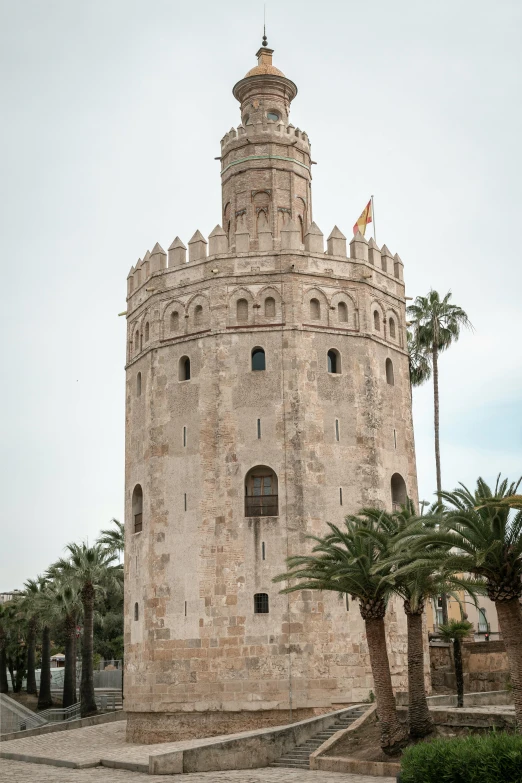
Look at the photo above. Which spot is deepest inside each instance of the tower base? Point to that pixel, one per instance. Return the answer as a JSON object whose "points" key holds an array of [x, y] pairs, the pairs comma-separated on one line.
{"points": [[151, 727]]}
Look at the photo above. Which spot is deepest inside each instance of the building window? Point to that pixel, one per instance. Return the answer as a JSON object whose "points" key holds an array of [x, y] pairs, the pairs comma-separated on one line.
{"points": [[261, 603], [263, 550], [184, 368], [174, 321], [315, 309], [391, 324], [483, 626], [347, 602], [259, 429], [334, 362], [242, 310], [342, 312], [258, 359], [198, 315], [389, 373], [273, 116], [337, 429], [270, 307], [138, 385], [136, 612], [340, 496], [147, 332], [261, 493], [137, 508], [394, 439], [184, 436], [376, 321], [398, 491], [185, 501]]}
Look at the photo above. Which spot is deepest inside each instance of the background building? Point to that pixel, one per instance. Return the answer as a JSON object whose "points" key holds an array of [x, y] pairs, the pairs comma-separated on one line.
{"points": [[267, 393]]}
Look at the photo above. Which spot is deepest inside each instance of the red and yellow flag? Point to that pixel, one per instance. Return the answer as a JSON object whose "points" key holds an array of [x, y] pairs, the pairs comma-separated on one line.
{"points": [[364, 219]]}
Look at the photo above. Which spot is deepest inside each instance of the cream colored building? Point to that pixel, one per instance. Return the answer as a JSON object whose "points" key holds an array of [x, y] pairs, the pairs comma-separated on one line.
{"points": [[267, 393]]}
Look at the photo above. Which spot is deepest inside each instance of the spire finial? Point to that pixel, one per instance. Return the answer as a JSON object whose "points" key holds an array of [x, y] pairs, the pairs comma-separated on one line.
{"points": [[265, 42]]}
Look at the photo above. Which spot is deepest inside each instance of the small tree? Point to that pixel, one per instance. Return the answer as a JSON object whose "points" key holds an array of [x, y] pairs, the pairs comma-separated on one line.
{"points": [[456, 631], [343, 562]]}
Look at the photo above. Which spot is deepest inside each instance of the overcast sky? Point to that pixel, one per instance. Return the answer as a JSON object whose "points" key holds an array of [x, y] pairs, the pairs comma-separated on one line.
{"points": [[112, 114]]}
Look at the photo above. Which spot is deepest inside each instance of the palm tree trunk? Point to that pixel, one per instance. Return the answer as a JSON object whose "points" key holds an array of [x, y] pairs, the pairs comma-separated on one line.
{"points": [[435, 356], [87, 682], [509, 615], [393, 736], [420, 720], [69, 677], [44, 697], [459, 673], [31, 650]]}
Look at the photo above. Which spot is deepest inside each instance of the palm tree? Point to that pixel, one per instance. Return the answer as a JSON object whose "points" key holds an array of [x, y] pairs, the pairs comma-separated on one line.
{"points": [[456, 631], [67, 606], [92, 571], [47, 614], [484, 539], [343, 562], [436, 325], [31, 606], [113, 539]]}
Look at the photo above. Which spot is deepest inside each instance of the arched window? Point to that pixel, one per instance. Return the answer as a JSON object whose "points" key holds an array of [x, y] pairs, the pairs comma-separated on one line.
{"points": [[391, 324], [147, 332], [136, 612], [389, 372], [261, 603], [136, 340], [261, 492], [398, 491], [184, 369], [342, 312], [315, 309], [270, 307], [137, 508], [174, 321], [258, 359], [138, 385], [242, 310], [334, 361], [376, 321], [198, 315]]}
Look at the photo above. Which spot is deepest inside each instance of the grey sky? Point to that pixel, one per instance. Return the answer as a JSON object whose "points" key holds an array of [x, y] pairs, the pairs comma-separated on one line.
{"points": [[98, 98]]}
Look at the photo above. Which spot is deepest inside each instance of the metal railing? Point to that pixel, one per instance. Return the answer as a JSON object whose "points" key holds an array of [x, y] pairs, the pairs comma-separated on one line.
{"points": [[261, 505], [58, 714]]}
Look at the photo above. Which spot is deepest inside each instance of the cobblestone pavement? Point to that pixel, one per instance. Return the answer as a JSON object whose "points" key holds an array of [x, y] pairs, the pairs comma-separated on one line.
{"points": [[22, 772]]}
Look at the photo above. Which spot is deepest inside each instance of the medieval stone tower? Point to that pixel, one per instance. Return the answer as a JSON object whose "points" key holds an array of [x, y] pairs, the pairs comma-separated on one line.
{"points": [[267, 393]]}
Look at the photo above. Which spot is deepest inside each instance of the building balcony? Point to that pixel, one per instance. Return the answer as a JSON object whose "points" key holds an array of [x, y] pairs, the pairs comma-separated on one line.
{"points": [[261, 506]]}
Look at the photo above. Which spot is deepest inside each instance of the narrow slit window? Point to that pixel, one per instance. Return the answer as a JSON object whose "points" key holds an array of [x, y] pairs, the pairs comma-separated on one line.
{"points": [[184, 436], [340, 496], [185, 501], [185, 608], [263, 550], [347, 602], [138, 385], [394, 439], [147, 332], [390, 379], [261, 603], [259, 429], [376, 321], [337, 429], [136, 612], [184, 369], [334, 362]]}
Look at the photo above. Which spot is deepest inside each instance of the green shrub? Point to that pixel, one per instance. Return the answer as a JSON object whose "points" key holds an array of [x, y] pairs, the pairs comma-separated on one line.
{"points": [[486, 758]]}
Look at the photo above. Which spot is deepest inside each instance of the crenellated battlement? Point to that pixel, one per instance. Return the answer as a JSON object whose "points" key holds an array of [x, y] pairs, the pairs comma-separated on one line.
{"points": [[265, 132]]}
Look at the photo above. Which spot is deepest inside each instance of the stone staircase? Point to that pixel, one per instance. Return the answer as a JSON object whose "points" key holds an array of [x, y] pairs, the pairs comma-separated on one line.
{"points": [[299, 757]]}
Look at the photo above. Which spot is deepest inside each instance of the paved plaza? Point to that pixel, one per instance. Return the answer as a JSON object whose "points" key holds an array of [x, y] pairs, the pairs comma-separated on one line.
{"points": [[21, 772]]}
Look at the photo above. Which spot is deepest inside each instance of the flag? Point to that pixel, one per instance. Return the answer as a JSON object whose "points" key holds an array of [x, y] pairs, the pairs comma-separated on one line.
{"points": [[364, 219]]}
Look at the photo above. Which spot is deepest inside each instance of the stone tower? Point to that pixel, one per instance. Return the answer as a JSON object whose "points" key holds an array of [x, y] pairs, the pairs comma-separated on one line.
{"points": [[267, 393]]}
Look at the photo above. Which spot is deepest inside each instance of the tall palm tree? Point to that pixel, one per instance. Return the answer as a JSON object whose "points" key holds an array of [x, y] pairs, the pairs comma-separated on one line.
{"points": [[484, 539], [343, 562], [436, 325], [47, 615], [456, 631], [92, 571], [113, 539], [67, 606], [420, 364]]}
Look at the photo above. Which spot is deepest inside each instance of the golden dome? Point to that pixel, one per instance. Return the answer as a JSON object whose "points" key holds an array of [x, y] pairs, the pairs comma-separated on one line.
{"points": [[262, 70]]}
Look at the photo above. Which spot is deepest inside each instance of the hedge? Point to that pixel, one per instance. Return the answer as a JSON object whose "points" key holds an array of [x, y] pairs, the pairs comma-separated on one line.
{"points": [[485, 758]]}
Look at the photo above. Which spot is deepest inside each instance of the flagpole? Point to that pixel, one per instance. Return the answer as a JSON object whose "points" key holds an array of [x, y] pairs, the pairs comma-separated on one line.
{"points": [[373, 220]]}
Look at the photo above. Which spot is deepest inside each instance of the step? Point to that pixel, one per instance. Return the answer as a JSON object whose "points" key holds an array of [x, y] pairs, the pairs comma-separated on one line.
{"points": [[289, 766]]}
